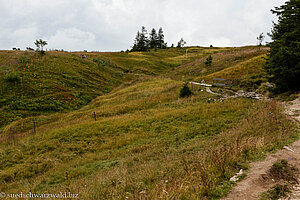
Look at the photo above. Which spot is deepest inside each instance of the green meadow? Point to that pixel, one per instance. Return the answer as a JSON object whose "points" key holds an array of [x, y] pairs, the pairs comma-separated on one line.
{"points": [[112, 125]]}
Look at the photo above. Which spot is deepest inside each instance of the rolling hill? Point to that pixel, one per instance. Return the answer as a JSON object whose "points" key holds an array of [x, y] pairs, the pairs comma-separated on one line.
{"points": [[122, 131]]}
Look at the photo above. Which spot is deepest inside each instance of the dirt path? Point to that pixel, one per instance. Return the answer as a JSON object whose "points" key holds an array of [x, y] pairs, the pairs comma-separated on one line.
{"points": [[240, 93], [254, 184], [211, 92]]}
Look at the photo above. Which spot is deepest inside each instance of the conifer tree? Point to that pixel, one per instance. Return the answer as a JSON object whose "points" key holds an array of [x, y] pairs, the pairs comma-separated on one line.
{"points": [[208, 61], [260, 39], [283, 63], [141, 41], [161, 39], [181, 43], [153, 40], [40, 44], [136, 41]]}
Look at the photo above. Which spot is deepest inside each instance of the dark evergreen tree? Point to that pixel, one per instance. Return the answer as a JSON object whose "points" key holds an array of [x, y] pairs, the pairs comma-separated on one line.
{"points": [[208, 61], [181, 43], [40, 44], [185, 91], [283, 64], [136, 41], [153, 40], [141, 41], [260, 39], [161, 39]]}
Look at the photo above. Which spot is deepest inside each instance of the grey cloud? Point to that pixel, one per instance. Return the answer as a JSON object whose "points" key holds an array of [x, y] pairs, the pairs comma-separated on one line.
{"points": [[112, 24]]}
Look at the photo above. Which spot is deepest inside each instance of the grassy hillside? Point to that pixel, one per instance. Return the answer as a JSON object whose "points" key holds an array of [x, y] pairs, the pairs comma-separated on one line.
{"points": [[59, 81], [223, 58], [130, 148], [156, 62], [253, 66], [146, 142], [33, 85]]}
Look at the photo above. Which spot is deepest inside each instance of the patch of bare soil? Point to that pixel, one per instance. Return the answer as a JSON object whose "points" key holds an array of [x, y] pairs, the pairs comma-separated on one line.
{"points": [[293, 108], [258, 179]]}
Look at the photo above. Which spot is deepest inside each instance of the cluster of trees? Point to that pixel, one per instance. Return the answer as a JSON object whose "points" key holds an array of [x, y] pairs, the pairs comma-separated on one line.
{"points": [[155, 40], [283, 64]]}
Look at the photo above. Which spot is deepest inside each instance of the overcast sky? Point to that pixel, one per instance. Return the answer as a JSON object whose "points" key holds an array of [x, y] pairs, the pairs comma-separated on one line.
{"points": [[111, 25]]}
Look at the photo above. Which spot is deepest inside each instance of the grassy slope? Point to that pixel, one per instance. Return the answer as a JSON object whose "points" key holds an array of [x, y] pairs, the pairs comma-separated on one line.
{"points": [[140, 149], [253, 66], [153, 62], [222, 59], [164, 151], [33, 85]]}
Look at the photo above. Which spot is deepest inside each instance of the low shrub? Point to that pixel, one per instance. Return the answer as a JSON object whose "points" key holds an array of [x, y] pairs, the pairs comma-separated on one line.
{"points": [[276, 192], [12, 77], [185, 91], [281, 170]]}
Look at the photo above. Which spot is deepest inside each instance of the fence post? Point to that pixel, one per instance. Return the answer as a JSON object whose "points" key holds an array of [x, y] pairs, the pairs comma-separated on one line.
{"points": [[95, 117], [34, 130]]}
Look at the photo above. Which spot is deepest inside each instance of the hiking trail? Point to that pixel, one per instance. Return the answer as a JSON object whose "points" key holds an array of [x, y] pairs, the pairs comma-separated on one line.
{"points": [[254, 183]]}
